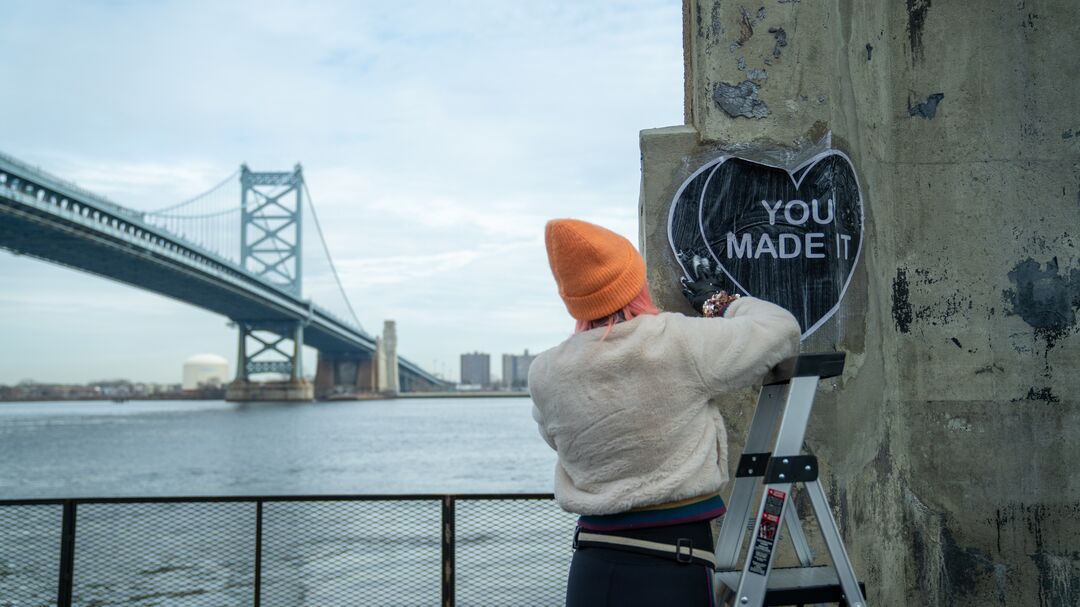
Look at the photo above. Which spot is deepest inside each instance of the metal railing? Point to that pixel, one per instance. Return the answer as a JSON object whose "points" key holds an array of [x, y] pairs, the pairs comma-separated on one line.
{"points": [[469, 549]]}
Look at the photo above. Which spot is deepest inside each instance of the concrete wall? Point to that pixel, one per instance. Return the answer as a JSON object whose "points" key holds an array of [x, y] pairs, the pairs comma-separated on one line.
{"points": [[948, 442]]}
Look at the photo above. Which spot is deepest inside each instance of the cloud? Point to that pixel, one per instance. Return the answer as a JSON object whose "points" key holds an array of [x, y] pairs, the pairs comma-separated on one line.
{"points": [[493, 219], [141, 185], [362, 273]]}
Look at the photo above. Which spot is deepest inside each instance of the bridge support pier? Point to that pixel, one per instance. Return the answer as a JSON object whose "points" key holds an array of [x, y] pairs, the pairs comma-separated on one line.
{"points": [[345, 375], [269, 355], [270, 391], [388, 373]]}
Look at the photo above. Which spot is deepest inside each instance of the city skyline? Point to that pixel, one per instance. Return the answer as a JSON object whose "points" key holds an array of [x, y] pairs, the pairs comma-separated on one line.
{"points": [[497, 373], [514, 366], [454, 253]]}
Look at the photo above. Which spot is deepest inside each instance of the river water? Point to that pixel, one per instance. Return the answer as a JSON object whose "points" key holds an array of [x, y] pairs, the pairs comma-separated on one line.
{"points": [[313, 553], [157, 448]]}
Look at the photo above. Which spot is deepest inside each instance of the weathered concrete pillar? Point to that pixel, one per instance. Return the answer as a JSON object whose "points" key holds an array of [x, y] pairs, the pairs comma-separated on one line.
{"points": [[389, 382], [946, 444], [380, 363], [344, 375], [325, 375], [365, 374]]}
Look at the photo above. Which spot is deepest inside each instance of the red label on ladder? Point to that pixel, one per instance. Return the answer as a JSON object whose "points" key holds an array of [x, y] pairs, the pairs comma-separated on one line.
{"points": [[767, 528], [780, 495]]}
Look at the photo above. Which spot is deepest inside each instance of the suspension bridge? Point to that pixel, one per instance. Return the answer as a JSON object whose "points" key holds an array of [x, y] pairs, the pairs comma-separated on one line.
{"points": [[250, 248]]}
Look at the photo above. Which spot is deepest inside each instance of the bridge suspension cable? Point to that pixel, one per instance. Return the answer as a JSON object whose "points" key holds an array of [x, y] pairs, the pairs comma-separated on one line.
{"points": [[210, 219], [179, 205], [329, 259], [198, 216]]}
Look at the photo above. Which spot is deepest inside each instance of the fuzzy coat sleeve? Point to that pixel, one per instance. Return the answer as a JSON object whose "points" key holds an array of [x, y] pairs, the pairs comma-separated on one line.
{"points": [[737, 350]]}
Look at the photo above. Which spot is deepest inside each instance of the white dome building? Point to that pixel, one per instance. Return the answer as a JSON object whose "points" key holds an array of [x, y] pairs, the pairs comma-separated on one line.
{"points": [[205, 369]]}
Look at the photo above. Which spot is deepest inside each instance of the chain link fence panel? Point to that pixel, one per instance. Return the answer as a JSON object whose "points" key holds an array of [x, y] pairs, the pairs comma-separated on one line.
{"points": [[517, 549], [174, 554], [351, 553], [29, 555], [287, 551]]}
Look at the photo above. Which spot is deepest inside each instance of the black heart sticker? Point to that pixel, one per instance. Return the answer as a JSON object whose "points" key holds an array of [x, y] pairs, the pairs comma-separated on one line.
{"points": [[791, 237]]}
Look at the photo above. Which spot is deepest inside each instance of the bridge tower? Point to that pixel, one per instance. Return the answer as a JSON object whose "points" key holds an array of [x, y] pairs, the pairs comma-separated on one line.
{"points": [[271, 207]]}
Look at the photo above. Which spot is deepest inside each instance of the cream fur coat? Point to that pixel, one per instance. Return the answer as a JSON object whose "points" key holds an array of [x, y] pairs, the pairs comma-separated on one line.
{"points": [[630, 416]]}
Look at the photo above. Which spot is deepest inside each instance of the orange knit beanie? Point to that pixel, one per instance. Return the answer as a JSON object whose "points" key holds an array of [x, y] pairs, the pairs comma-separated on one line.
{"points": [[598, 271]]}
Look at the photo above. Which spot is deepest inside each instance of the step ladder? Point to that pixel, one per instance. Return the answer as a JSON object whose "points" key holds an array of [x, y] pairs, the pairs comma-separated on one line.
{"points": [[787, 395]]}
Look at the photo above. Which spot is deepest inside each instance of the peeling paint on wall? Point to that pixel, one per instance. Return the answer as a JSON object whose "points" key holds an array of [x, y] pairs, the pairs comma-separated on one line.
{"points": [[916, 10], [1044, 394], [956, 306], [1028, 21], [901, 305], [754, 74], [740, 99], [781, 39], [937, 307], [1045, 298], [746, 28], [715, 21], [927, 109]]}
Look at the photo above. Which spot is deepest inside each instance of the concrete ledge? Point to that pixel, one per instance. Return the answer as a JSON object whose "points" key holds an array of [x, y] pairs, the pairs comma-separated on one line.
{"points": [[665, 153]]}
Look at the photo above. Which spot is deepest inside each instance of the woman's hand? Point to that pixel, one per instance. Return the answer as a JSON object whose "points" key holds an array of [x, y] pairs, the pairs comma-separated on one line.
{"points": [[705, 284]]}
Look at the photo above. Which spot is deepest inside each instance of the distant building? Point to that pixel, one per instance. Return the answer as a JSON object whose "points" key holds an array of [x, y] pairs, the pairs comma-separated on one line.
{"points": [[205, 370], [515, 370], [476, 369]]}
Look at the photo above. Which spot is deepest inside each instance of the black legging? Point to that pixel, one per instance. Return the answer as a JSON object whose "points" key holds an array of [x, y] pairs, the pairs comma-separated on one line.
{"points": [[602, 576]]}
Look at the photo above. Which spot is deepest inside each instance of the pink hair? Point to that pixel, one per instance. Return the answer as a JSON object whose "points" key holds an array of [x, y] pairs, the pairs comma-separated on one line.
{"points": [[638, 306]]}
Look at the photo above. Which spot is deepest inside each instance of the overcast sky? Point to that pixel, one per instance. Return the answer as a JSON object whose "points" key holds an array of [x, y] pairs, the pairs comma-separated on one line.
{"points": [[436, 139]]}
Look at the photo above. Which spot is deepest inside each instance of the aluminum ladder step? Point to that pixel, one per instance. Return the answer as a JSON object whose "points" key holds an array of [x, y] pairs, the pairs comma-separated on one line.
{"points": [[794, 585]]}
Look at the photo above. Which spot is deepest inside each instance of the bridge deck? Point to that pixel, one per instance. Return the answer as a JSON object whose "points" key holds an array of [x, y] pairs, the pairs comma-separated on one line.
{"points": [[46, 218]]}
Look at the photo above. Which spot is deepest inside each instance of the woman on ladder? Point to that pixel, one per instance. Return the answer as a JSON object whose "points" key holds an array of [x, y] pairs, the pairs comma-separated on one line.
{"points": [[624, 401]]}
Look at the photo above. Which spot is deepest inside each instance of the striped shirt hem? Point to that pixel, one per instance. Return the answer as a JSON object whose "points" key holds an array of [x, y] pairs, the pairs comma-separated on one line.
{"points": [[704, 510]]}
